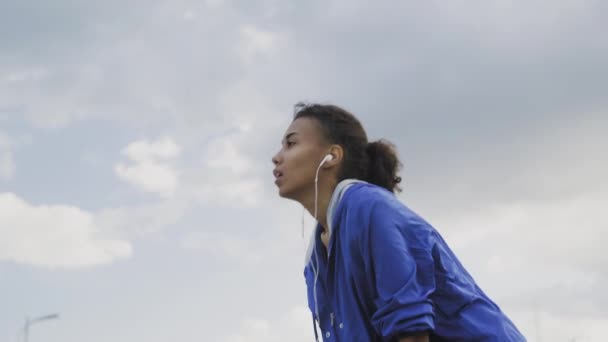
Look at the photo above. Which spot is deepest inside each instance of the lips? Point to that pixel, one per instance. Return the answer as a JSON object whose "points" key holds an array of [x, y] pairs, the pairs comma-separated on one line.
{"points": [[277, 175]]}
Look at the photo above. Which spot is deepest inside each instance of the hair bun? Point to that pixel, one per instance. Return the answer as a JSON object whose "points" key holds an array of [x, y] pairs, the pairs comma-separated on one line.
{"points": [[383, 164]]}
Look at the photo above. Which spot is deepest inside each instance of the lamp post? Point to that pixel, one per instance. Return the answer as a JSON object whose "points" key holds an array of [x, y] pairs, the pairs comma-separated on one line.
{"points": [[29, 322]]}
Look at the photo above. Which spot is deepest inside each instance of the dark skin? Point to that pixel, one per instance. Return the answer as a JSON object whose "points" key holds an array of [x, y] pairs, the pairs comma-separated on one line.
{"points": [[302, 150]]}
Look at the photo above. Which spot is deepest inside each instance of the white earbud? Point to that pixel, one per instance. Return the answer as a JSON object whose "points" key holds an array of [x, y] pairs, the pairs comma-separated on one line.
{"points": [[328, 157]]}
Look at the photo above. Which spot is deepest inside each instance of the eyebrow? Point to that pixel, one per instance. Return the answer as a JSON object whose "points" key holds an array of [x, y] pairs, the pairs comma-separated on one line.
{"points": [[289, 135]]}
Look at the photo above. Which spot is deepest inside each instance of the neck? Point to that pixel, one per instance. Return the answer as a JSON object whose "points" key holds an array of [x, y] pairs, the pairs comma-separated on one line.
{"points": [[326, 189]]}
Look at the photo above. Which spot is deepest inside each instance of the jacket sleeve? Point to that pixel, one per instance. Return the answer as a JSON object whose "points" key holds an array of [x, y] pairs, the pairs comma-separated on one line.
{"points": [[401, 269], [309, 277]]}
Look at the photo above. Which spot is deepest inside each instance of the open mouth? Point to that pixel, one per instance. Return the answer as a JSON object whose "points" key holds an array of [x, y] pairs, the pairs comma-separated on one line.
{"points": [[277, 175]]}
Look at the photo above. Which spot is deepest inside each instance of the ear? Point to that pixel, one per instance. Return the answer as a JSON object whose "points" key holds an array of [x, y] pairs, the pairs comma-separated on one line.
{"points": [[337, 153]]}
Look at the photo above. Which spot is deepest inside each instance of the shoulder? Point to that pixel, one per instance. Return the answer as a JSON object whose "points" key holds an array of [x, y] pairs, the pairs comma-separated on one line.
{"points": [[365, 205], [375, 210], [366, 195], [374, 202]]}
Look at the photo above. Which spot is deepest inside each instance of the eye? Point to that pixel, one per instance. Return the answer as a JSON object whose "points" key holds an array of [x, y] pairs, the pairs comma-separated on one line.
{"points": [[290, 143]]}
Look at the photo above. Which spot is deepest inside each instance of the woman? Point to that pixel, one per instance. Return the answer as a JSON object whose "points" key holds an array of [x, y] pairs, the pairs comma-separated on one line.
{"points": [[376, 271]]}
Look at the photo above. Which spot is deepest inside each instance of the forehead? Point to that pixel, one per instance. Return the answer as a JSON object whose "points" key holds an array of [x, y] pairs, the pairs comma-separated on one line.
{"points": [[305, 128]]}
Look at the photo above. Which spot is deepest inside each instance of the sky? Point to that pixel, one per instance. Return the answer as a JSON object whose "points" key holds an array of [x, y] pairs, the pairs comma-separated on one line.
{"points": [[136, 192]]}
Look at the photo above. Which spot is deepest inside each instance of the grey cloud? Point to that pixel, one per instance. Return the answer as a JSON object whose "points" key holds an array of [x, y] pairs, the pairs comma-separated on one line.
{"points": [[490, 104], [138, 62], [7, 164]]}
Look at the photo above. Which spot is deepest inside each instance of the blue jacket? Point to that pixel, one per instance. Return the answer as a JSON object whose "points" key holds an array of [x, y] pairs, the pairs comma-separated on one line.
{"points": [[387, 273]]}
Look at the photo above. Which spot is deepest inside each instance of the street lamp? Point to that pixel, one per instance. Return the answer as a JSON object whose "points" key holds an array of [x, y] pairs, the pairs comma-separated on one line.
{"points": [[29, 322]]}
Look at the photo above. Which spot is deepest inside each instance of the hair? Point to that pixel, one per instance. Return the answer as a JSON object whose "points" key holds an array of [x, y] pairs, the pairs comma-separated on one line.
{"points": [[374, 162]]}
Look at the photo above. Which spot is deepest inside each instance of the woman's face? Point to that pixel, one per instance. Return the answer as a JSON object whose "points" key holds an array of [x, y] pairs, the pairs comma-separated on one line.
{"points": [[302, 149]]}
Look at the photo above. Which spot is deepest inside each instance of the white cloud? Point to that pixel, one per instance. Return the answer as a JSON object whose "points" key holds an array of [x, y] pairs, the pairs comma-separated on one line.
{"points": [[214, 3], [7, 164], [557, 229], [554, 219], [236, 167], [225, 154], [151, 168], [254, 329], [295, 325], [16, 77], [256, 42], [149, 176], [136, 221], [144, 150], [239, 193], [194, 79], [537, 255], [189, 15], [57, 236], [224, 246], [550, 326], [227, 173]]}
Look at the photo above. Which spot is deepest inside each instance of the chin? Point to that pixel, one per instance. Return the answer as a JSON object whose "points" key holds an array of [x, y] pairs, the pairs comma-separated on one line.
{"points": [[283, 193], [286, 193]]}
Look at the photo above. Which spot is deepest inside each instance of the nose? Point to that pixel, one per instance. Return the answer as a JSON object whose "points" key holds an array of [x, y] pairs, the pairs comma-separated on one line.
{"points": [[275, 159]]}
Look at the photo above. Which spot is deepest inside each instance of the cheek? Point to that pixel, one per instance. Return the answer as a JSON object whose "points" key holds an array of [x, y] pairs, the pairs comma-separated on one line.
{"points": [[301, 163], [304, 161]]}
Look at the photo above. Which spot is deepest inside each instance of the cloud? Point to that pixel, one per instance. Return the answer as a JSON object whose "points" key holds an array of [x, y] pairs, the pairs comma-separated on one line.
{"points": [[234, 167], [144, 150], [527, 238], [254, 329], [56, 236], [7, 164], [223, 246], [533, 209], [19, 77], [457, 82], [143, 219], [294, 325], [226, 173], [256, 42], [108, 79], [214, 3], [551, 326], [225, 154], [151, 169], [222, 172], [149, 176]]}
